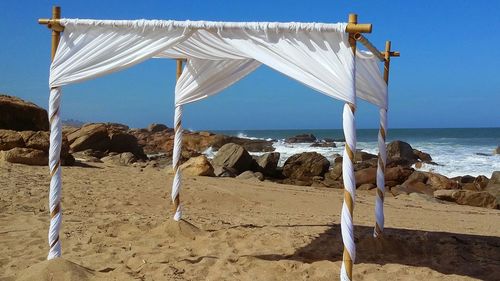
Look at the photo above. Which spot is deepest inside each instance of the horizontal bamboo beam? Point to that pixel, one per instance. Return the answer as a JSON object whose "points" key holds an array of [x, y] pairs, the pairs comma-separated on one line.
{"points": [[52, 24], [359, 37], [359, 28]]}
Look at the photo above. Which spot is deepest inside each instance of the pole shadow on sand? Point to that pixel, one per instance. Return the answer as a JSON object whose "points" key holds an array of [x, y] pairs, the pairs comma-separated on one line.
{"points": [[475, 256]]}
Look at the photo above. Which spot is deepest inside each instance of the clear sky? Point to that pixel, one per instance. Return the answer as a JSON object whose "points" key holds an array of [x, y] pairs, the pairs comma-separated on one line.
{"points": [[447, 75]]}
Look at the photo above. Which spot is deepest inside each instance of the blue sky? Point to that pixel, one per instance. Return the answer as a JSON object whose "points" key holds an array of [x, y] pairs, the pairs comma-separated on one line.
{"points": [[447, 75]]}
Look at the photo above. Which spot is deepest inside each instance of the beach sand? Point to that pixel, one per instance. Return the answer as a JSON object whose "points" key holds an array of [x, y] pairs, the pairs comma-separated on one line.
{"points": [[116, 226]]}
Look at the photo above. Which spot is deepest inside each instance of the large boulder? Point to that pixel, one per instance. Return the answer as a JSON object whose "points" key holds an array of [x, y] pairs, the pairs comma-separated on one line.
{"points": [[496, 151], [303, 138], [437, 181], [400, 150], [19, 115], [360, 156], [249, 175], [467, 197], [27, 156], [234, 157], [90, 136], [38, 140], [304, 166], [197, 166], [268, 163], [10, 139]]}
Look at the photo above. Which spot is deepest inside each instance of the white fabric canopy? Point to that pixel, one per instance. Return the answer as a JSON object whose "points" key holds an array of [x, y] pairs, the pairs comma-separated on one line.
{"points": [[219, 54]]}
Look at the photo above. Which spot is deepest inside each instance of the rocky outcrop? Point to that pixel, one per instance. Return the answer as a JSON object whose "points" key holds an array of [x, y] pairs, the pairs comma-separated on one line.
{"points": [[466, 197], [360, 156], [233, 157], [268, 163], [105, 137], [301, 168], [197, 166], [496, 151], [19, 115], [303, 138], [397, 175]]}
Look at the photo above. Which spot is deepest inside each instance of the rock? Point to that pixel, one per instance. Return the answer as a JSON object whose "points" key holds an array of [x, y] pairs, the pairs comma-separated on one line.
{"points": [[249, 175], [38, 140], [304, 138], [467, 197], [19, 115], [124, 142], [10, 139], [363, 156], [422, 156], [233, 156], [371, 163], [397, 174], [115, 127], [437, 181], [153, 128], [304, 166], [496, 151], [268, 163], [323, 144], [198, 166], [122, 159], [225, 172], [493, 186], [89, 155], [481, 182], [27, 156], [90, 136], [397, 150]]}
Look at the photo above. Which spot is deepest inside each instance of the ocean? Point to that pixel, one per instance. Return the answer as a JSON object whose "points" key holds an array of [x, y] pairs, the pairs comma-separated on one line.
{"points": [[458, 151]]}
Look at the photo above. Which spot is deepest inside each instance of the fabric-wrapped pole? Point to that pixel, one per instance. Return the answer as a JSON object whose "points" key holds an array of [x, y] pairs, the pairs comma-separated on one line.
{"points": [[176, 159], [55, 173], [346, 221], [382, 157]]}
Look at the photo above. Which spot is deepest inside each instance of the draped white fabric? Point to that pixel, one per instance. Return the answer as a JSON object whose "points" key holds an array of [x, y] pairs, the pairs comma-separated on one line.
{"points": [[86, 52], [203, 78], [370, 84]]}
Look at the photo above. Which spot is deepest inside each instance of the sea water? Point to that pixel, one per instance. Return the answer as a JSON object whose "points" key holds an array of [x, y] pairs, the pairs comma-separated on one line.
{"points": [[457, 151]]}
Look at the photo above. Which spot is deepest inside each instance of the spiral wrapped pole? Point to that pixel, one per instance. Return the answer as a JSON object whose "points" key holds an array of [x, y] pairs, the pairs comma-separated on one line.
{"points": [[176, 185], [382, 157], [176, 156], [346, 222]]}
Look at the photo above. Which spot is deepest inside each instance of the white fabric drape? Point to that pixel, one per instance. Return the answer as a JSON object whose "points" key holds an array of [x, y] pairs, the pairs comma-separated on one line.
{"points": [[86, 52], [203, 78], [370, 84]]}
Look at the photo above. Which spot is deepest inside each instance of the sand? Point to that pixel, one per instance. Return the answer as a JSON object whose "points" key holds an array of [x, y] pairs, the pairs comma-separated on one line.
{"points": [[116, 227]]}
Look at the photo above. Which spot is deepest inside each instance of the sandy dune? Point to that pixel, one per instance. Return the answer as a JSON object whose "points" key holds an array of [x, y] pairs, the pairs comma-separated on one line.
{"points": [[116, 227]]}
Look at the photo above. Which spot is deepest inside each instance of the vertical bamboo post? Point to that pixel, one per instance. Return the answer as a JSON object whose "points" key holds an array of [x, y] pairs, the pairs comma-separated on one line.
{"points": [[179, 69], [348, 198], [387, 61], [56, 34]]}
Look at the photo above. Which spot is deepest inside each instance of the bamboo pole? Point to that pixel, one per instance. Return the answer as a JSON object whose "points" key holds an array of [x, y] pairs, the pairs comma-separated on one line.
{"points": [[359, 37], [387, 61], [348, 198], [56, 33], [179, 69]]}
